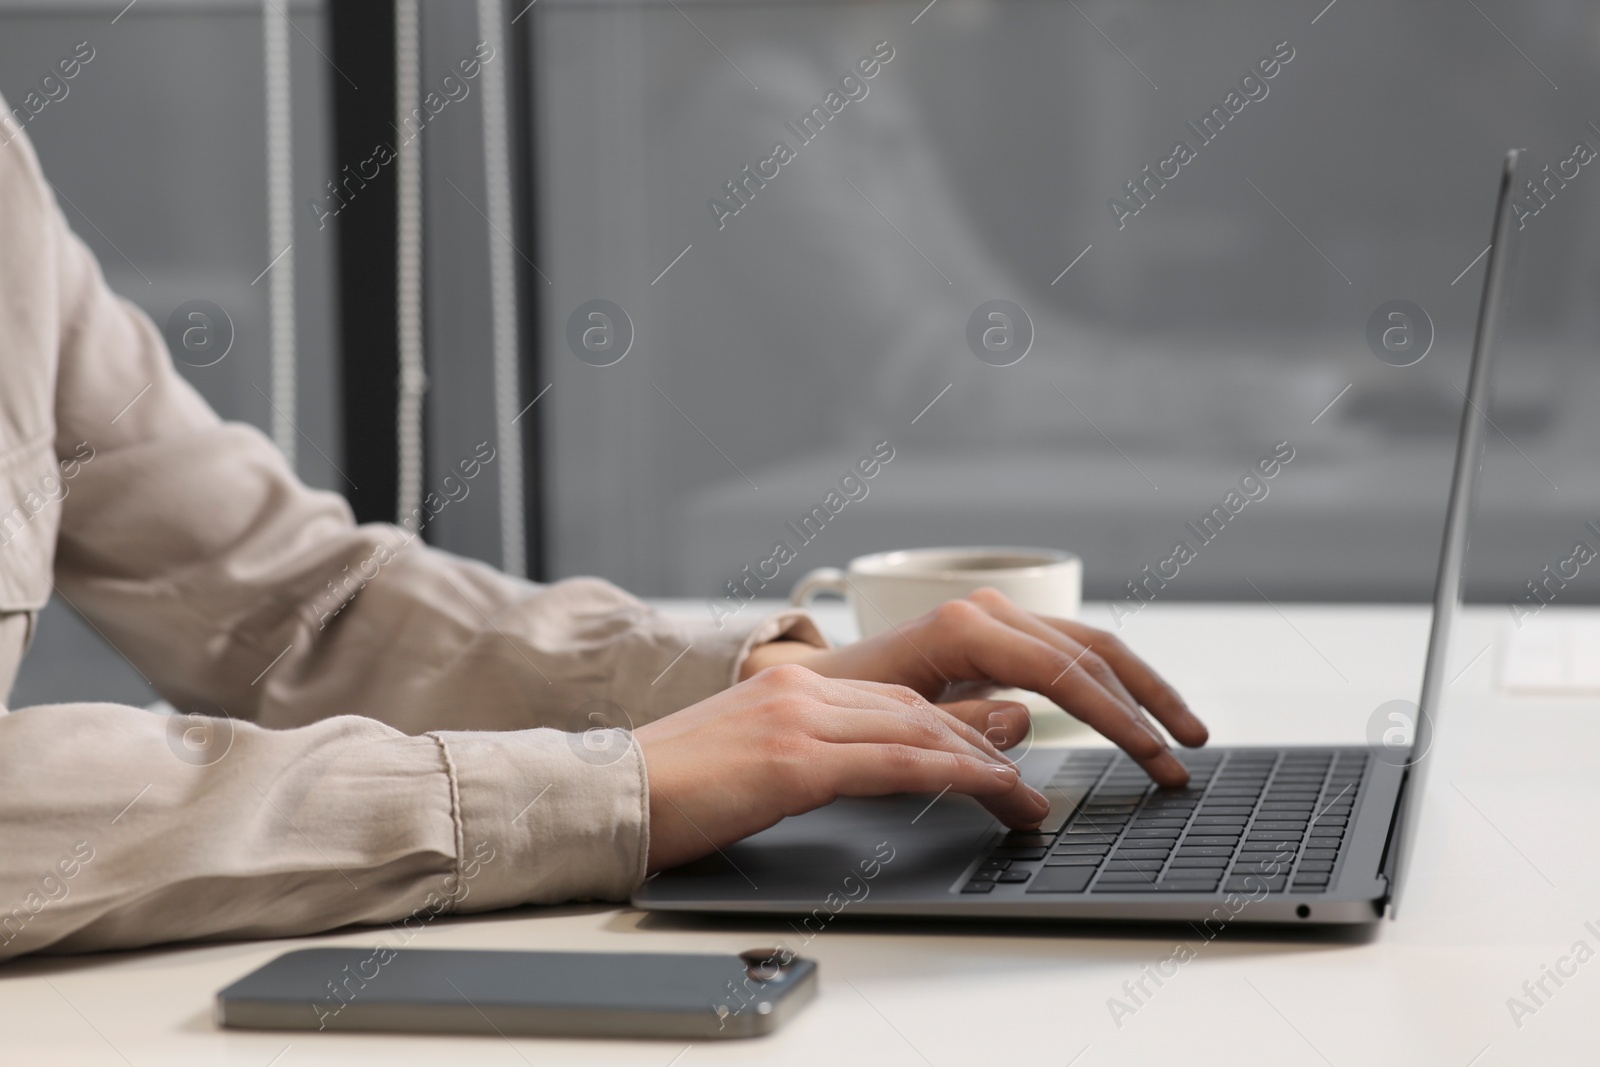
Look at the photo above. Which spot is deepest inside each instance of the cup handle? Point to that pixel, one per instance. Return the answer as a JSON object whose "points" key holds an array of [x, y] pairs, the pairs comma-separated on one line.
{"points": [[822, 580]]}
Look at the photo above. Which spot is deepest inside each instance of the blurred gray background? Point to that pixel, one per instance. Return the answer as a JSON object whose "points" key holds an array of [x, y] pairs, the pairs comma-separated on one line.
{"points": [[831, 310], [1223, 318]]}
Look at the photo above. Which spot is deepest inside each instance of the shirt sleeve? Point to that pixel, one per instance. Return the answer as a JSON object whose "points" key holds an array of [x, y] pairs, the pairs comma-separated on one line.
{"points": [[374, 730]]}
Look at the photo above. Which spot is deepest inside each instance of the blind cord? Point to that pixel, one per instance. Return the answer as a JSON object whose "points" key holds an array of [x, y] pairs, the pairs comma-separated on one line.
{"points": [[413, 381], [502, 292], [280, 229]]}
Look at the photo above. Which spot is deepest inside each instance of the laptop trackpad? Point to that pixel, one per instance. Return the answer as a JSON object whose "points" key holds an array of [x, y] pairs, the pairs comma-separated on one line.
{"points": [[907, 844]]}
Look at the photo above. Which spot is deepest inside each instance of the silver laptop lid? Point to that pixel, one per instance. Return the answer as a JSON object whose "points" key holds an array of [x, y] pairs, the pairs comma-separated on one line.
{"points": [[1447, 592]]}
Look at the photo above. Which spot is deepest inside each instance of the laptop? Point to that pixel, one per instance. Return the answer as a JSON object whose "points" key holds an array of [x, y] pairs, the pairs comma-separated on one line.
{"points": [[1298, 835]]}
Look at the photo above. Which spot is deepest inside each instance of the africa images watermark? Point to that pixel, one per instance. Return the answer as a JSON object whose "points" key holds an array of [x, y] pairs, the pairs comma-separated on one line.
{"points": [[50, 489], [344, 589], [54, 886], [853, 889], [1253, 487], [1252, 88], [751, 580], [1553, 579], [350, 185], [1136, 992], [740, 191], [51, 89], [1537, 195], [1536, 992], [343, 990]]}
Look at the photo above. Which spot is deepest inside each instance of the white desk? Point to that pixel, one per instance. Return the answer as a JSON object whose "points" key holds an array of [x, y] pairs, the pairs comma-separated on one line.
{"points": [[1503, 882]]}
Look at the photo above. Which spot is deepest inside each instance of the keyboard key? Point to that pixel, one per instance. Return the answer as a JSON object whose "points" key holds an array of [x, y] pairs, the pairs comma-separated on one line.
{"points": [[1087, 848], [1064, 800], [1189, 852], [1152, 832], [978, 887], [1321, 853], [1332, 820], [1016, 874], [1327, 832], [1134, 865], [987, 875], [1157, 854], [1220, 820], [1061, 880], [1253, 883], [1142, 877], [1028, 840], [1198, 862], [1311, 879], [1159, 824], [1282, 859], [1186, 887], [1315, 866], [995, 865], [1266, 868], [1019, 853], [1278, 824], [1073, 861], [1211, 839]]}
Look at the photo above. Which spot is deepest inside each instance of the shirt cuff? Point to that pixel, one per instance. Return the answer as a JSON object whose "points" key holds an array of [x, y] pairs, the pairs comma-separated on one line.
{"points": [[543, 816], [672, 662]]}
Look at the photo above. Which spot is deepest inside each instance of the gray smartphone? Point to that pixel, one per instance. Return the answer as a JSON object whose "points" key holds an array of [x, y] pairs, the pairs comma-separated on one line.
{"points": [[533, 994]]}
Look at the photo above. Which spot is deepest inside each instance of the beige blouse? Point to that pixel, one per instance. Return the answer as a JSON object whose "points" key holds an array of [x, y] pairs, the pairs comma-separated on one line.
{"points": [[395, 738]]}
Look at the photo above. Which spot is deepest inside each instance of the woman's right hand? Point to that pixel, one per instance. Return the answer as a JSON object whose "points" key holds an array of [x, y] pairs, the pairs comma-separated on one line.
{"points": [[789, 740]]}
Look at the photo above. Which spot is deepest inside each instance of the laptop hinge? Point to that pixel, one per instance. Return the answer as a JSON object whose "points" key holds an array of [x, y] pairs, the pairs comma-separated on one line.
{"points": [[1390, 853]]}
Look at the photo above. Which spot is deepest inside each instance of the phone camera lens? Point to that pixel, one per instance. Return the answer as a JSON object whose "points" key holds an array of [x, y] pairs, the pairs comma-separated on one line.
{"points": [[768, 964]]}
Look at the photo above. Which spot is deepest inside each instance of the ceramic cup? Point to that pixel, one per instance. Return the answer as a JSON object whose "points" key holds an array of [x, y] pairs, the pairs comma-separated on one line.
{"points": [[888, 588]]}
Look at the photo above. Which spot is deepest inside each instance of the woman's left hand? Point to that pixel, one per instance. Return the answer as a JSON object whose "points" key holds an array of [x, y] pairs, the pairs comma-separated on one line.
{"points": [[970, 647]]}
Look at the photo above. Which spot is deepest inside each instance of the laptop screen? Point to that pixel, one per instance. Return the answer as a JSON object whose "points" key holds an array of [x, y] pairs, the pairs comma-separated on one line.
{"points": [[1447, 594]]}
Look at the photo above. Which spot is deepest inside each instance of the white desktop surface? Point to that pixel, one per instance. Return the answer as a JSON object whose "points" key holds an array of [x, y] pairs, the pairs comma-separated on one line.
{"points": [[1504, 880]]}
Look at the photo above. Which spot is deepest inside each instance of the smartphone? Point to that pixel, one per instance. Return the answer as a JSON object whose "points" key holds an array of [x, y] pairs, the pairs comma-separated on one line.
{"points": [[530, 994]]}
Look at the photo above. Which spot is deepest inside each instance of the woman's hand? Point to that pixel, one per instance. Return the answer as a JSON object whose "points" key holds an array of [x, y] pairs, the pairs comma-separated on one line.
{"points": [[971, 647], [789, 740]]}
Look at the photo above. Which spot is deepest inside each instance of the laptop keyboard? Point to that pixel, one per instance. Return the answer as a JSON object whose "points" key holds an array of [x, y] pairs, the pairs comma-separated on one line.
{"points": [[1249, 818]]}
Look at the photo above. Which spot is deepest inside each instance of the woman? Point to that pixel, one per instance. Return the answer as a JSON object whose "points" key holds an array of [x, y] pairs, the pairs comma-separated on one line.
{"points": [[393, 739]]}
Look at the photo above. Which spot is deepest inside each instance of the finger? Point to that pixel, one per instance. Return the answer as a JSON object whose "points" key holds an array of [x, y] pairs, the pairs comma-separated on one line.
{"points": [[1013, 657], [1143, 682], [907, 706], [1084, 653], [878, 770], [871, 712], [1003, 723]]}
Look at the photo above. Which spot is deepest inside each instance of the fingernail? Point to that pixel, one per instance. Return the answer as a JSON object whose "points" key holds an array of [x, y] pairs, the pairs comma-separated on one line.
{"points": [[1004, 770], [995, 732], [1040, 801]]}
